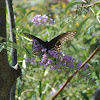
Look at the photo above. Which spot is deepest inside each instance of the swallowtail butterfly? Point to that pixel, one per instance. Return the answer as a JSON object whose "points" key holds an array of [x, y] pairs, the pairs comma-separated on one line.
{"points": [[56, 42]]}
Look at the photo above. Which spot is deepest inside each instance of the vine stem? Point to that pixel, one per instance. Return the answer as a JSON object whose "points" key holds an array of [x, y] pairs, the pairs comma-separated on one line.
{"points": [[90, 5], [76, 71]]}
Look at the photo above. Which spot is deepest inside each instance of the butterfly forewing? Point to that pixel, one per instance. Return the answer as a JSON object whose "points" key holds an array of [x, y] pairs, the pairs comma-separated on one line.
{"points": [[34, 37], [56, 43]]}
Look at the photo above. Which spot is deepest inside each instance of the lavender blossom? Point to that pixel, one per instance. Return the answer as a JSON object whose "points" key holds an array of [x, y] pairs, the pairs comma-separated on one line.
{"points": [[32, 61], [52, 93], [48, 62], [27, 60], [44, 50], [79, 64], [55, 59], [42, 20], [44, 58]]}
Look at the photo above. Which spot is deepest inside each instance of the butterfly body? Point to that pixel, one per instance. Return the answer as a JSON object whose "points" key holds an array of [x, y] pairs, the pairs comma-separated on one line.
{"points": [[56, 42]]}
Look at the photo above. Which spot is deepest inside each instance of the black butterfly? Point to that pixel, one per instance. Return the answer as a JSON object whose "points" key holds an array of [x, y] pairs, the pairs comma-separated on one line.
{"points": [[56, 42]]}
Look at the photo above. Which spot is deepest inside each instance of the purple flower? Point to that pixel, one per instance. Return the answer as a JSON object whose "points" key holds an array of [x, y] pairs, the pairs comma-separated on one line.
{"points": [[45, 55], [32, 61], [44, 50], [71, 64], [45, 33], [52, 93], [27, 60], [36, 45], [49, 15], [42, 20], [49, 61], [44, 58], [40, 48], [51, 52], [59, 60], [52, 67], [61, 85], [45, 18], [37, 19], [85, 67], [35, 50], [35, 41], [79, 64], [59, 69], [57, 66], [53, 22], [55, 54], [65, 57], [54, 59]]}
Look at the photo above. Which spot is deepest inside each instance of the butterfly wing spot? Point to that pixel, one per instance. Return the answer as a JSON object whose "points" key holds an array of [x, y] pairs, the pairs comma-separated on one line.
{"points": [[57, 46], [58, 43]]}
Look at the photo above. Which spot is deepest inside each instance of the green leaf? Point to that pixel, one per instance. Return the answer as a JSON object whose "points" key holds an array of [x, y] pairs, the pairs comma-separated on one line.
{"points": [[97, 74], [19, 86], [82, 23], [18, 20], [40, 89], [34, 97], [32, 12], [71, 4], [45, 37], [84, 95], [1, 47], [13, 45], [95, 37], [45, 89]]}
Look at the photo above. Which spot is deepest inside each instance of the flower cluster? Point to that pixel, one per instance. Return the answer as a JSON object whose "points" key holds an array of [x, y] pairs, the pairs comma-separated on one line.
{"points": [[30, 60], [42, 20], [53, 59]]}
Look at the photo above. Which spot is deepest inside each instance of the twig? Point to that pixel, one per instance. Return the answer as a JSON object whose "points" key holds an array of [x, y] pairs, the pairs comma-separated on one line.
{"points": [[90, 5], [76, 71]]}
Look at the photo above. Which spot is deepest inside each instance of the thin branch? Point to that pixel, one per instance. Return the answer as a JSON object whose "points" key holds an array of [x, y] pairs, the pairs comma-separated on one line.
{"points": [[12, 34], [76, 71], [90, 5]]}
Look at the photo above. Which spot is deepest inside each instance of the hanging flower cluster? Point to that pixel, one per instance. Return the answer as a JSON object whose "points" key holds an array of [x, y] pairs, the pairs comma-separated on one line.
{"points": [[53, 59], [42, 20]]}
